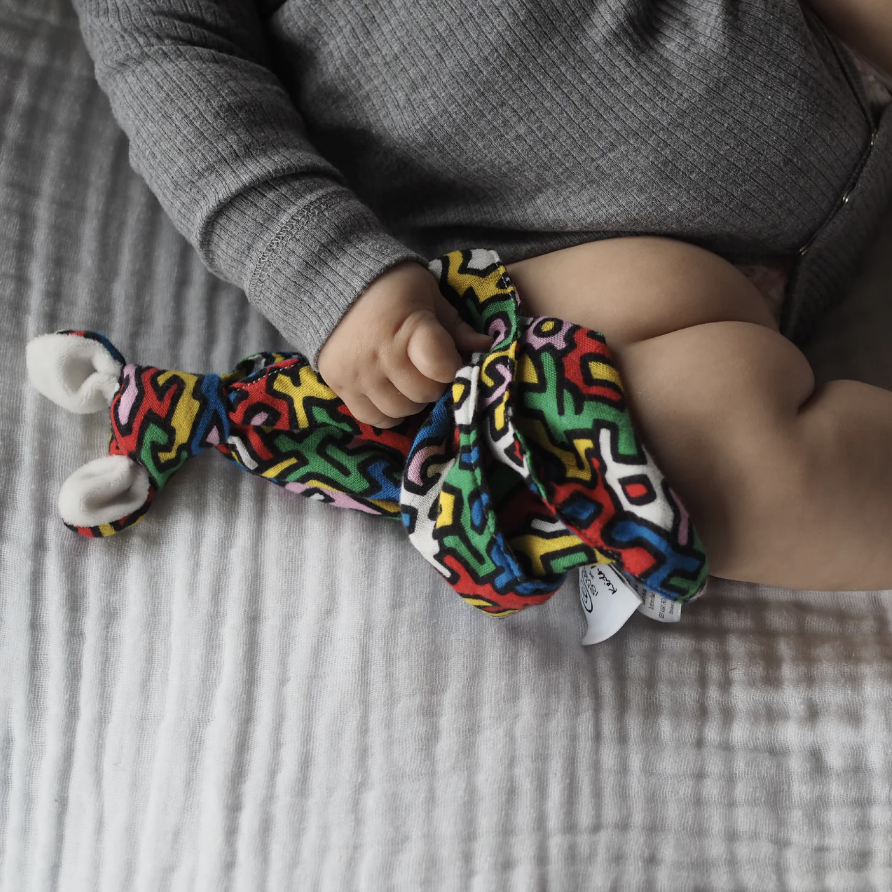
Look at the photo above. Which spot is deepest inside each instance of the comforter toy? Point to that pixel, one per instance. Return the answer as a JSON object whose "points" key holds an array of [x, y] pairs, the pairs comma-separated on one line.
{"points": [[527, 467]]}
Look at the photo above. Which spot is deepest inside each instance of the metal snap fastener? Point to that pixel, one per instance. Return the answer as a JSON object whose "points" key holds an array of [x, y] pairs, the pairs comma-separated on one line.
{"points": [[846, 197], [873, 137]]}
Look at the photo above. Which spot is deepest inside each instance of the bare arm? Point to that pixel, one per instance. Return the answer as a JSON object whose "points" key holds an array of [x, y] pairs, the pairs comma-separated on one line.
{"points": [[865, 25]]}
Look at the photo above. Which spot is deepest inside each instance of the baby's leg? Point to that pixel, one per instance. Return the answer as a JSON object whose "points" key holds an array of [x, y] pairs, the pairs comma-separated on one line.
{"points": [[787, 484]]}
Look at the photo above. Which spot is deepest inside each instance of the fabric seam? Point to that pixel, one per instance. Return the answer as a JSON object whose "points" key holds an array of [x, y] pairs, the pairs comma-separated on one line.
{"points": [[301, 216]]}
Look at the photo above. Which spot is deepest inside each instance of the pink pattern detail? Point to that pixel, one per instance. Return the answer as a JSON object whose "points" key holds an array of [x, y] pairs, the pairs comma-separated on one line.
{"points": [[413, 470], [499, 368], [338, 499], [128, 397], [558, 335], [684, 522]]}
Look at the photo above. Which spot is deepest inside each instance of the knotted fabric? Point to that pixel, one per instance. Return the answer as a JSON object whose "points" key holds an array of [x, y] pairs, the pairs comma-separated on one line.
{"points": [[527, 467]]}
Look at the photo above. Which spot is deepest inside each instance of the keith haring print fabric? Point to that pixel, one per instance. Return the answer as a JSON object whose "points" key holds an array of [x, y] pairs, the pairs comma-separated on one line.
{"points": [[528, 467]]}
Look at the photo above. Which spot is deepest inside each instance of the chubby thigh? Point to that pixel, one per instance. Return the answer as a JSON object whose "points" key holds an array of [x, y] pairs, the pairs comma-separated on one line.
{"points": [[713, 386], [638, 287]]}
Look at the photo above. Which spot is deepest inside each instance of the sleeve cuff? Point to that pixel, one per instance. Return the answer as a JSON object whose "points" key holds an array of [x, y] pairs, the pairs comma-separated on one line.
{"points": [[320, 258]]}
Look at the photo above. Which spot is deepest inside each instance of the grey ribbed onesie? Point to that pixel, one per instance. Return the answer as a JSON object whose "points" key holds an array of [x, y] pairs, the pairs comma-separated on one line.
{"points": [[305, 147]]}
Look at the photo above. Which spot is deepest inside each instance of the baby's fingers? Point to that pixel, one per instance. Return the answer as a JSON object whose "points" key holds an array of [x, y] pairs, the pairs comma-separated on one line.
{"points": [[391, 401], [463, 335], [364, 410], [418, 388], [431, 349]]}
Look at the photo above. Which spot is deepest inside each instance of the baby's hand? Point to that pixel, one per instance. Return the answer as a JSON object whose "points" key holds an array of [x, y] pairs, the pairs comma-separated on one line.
{"points": [[396, 348]]}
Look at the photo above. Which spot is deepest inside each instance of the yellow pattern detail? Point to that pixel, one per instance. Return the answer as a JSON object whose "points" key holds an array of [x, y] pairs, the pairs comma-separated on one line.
{"points": [[477, 602], [277, 469], [184, 412], [537, 548], [485, 288], [107, 529], [499, 413], [576, 464], [385, 505], [496, 356], [600, 370], [526, 370], [447, 509], [499, 409], [309, 386]]}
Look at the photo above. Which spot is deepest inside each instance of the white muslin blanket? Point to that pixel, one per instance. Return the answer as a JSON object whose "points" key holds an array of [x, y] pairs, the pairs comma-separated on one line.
{"points": [[250, 691]]}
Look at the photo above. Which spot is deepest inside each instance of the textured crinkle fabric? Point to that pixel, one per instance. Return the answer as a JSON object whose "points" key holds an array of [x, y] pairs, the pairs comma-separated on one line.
{"points": [[529, 465]]}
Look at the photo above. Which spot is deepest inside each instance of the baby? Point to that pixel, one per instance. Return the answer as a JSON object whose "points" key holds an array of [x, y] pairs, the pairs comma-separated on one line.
{"points": [[788, 484]]}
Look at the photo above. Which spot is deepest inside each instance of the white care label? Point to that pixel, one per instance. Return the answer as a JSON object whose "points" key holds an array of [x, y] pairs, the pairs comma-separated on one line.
{"points": [[608, 601], [609, 598], [656, 606]]}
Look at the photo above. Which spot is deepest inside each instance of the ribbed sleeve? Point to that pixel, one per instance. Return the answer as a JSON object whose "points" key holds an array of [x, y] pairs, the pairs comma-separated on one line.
{"points": [[225, 150], [306, 147]]}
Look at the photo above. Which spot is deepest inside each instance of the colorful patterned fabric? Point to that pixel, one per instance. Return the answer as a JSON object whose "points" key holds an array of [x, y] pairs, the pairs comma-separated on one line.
{"points": [[528, 467]]}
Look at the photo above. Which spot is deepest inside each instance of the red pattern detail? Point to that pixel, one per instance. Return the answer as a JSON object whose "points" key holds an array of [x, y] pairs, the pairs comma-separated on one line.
{"points": [[465, 585], [156, 400], [636, 490]]}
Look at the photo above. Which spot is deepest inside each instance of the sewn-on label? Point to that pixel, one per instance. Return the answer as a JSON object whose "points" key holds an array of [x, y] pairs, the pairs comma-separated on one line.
{"points": [[655, 606], [607, 600]]}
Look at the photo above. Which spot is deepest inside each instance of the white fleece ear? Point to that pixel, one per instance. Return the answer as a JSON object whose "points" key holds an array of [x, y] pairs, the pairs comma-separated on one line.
{"points": [[76, 373], [103, 491]]}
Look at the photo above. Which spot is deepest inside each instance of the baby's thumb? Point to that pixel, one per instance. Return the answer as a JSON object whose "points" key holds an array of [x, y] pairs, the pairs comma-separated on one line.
{"points": [[432, 350], [465, 337]]}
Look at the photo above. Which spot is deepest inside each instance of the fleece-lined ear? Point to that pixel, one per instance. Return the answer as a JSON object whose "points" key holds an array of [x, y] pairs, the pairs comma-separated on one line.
{"points": [[104, 491], [75, 372]]}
